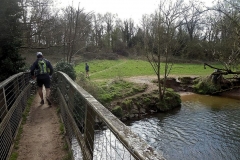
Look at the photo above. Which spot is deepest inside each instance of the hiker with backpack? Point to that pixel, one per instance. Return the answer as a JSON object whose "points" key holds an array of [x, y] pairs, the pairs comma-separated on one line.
{"points": [[42, 70]]}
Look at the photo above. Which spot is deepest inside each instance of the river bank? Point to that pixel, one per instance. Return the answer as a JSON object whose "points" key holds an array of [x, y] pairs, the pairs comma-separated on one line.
{"points": [[235, 94], [144, 104]]}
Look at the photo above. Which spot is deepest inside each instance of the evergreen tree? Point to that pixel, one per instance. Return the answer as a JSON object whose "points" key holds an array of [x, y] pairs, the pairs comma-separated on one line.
{"points": [[11, 61]]}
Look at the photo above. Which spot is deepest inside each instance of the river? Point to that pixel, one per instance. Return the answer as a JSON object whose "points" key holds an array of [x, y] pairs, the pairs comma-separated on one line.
{"points": [[204, 128]]}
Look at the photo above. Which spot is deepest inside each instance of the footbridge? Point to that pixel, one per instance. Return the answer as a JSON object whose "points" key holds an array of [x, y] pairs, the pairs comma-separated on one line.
{"points": [[91, 130]]}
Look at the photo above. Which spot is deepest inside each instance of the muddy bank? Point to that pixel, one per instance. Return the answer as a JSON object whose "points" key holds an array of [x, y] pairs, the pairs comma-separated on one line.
{"points": [[184, 86], [235, 94]]}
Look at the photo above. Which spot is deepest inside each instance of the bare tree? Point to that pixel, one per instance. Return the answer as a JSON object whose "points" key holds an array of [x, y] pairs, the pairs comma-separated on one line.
{"points": [[98, 30], [109, 19], [163, 31], [192, 19], [77, 29], [118, 44], [128, 31], [39, 24], [229, 33]]}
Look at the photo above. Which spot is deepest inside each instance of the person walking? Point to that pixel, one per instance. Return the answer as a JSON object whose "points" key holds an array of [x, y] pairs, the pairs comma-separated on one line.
{"points": [[87, 70], [42, 70]]}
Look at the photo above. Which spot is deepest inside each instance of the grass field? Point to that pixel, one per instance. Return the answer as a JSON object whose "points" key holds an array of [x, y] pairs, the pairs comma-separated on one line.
{"points": [[105, 69]]}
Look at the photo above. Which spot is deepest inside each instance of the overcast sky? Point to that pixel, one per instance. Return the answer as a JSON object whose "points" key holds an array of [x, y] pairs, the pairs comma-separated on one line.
{"points": [[124, 8]]}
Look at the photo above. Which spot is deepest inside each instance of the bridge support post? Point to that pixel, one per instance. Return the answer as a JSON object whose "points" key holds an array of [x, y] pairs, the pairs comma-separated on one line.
{"points": [[16, 87], [3, 104], [89, 129]]}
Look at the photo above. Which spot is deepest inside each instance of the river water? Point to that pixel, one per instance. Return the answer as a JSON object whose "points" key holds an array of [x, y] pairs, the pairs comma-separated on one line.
{"points": [[204, 128]]}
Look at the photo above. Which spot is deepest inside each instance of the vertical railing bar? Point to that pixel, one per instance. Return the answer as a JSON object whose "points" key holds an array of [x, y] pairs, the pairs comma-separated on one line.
{"points": [[89, 129], [5, 100], [115, 147], [16, 87], [10, 96], [106, 145], [110, 144], [3, 104]]}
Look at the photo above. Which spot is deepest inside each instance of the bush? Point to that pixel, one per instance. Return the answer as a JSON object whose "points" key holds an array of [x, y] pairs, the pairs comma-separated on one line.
{"points": [[127, 105], [117, 111], [89, 86], [66, 68], [171, 100], [205, 86]]}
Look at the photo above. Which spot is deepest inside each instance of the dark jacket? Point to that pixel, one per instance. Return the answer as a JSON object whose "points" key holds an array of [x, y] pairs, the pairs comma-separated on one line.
{"points": [[35, 67], [87, 68]]}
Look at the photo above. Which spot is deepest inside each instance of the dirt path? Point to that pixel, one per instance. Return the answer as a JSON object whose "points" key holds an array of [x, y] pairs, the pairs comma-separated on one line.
{"points": [[41, 138], [144, 80], [235, 93]]}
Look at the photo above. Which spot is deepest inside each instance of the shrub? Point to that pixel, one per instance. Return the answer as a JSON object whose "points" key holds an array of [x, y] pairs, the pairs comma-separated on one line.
{"points": [[205, 86], [105, 98], [127, 104], [89, 86], [171, 100], [117, 111], [66, 68]]}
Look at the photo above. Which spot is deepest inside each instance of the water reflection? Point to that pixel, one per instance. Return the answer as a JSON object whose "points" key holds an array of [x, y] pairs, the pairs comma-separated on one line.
{"points": [[205, 128]]}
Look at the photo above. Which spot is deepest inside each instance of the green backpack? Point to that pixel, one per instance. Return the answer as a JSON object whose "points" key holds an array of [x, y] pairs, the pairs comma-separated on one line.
{"points": [[42, 64]]}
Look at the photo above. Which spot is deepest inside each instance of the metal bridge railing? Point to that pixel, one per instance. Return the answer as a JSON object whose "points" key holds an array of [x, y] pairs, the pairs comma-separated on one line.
{"points": [[14, 93], [93, 131]]}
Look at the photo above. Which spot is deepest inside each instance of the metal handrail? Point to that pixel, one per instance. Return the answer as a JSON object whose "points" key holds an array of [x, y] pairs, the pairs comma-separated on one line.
{"points": [[97, 131], [14, 93]]}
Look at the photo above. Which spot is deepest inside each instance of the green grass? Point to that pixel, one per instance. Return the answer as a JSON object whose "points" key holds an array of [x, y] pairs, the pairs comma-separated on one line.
{"points": [[118, 89], [105, 69], [61, 128], [14, 156], [191, 69]]}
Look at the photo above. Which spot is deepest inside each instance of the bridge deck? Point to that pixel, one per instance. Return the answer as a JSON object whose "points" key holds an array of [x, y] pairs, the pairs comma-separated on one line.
{"points": [[41, 138]]}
